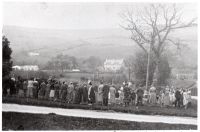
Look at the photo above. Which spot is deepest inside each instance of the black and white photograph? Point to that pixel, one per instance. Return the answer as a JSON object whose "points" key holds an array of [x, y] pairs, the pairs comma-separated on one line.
{"points": [[71, 66]]}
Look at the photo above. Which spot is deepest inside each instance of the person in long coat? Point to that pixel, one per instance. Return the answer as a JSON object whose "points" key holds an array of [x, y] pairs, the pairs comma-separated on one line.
{"points": [[181, 99], [133, 94], [52, 90], [70, 93], [57, 88], [140, 93], [178, 98], [84, 93], [25, 84], [79, 94], [91, 94], [105, 94], [127, 95], [96, 93], [121, 96], [172, 97], [20, 87], [63, 93], [100, 93], [76, 94], [112, 95], [186, 98], [166, 98], [47, 90], [30, 88], [41, 93], [35, 88], [152, 92], [133, 97]]}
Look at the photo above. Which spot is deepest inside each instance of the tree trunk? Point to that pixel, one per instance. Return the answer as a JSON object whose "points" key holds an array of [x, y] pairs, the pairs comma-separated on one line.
{"points": [[156, 73]]}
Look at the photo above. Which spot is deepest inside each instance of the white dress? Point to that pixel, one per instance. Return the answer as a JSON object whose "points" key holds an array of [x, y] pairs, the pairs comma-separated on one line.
{"points": [[100, 93], [112, 94], [52, 93], [185, 98], [152, 99]]}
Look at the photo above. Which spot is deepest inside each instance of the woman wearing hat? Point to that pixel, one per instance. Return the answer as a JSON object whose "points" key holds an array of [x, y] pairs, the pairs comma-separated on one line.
{"points": [[127, 93], [112, 95], [100, 93], [70, 92], [91, 94], [152, 92]]}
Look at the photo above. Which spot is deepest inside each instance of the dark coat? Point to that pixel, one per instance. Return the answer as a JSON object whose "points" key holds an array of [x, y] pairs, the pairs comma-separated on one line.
{"points": [[57, 87], [12, 87], [42, 89], [127, 94], [106, 89], [178, 94], [140, 92], [92, 95], [85, 93]]}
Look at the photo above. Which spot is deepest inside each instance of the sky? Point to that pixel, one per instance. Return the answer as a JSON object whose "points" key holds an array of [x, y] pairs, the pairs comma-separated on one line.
{"points": [[73, 15]]}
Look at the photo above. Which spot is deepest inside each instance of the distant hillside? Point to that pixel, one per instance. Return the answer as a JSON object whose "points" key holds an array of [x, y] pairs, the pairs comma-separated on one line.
{"points": [[105, 43]]}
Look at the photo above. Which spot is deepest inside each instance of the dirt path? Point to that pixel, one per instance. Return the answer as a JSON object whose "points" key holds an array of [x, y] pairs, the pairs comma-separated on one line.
{"points": [[99, 114]]}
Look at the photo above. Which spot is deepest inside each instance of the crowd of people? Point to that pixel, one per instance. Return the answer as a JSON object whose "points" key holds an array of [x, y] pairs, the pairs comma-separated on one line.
{"points": [[100, 93]]}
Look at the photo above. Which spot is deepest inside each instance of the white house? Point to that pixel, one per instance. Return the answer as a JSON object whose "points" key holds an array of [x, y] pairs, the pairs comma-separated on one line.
{"points": [[26, 68], [113, 64], [75, 70], [33, 54], [16, 67], [30, 68]]}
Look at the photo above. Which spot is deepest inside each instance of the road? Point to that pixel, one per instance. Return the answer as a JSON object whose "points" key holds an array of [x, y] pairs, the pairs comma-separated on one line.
{"points": [[99, 114]]}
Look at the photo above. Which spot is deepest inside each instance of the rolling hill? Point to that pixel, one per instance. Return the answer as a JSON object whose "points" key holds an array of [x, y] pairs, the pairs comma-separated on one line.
{"points": [[104, 43]]}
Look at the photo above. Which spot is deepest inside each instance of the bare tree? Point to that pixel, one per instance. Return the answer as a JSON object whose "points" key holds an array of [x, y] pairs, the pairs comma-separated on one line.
{"points": [[151, 26]]}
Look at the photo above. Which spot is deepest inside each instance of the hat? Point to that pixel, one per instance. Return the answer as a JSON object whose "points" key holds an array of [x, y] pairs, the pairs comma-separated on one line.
{"points": [[129, 84], [89, 82], [121, 88], [13, 79]]}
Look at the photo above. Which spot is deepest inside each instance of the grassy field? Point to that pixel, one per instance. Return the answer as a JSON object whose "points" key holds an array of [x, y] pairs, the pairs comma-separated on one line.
{"points": [[146, 109], [13, 121]]}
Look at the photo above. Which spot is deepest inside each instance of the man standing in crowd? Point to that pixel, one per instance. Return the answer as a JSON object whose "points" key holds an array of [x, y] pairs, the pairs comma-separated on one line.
{"points": [[25, 84], [152, 92], [47, 90], [57, 88], [112, 95], [52, 90], [41, 93], [85, 93], [178, 98], [121, 96], [91, 94], [70, 93], [19, 86], [30, 88], [140, 93], [105, 94], [100, 93], [35, 88], [127, 94], [63, 93]]}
